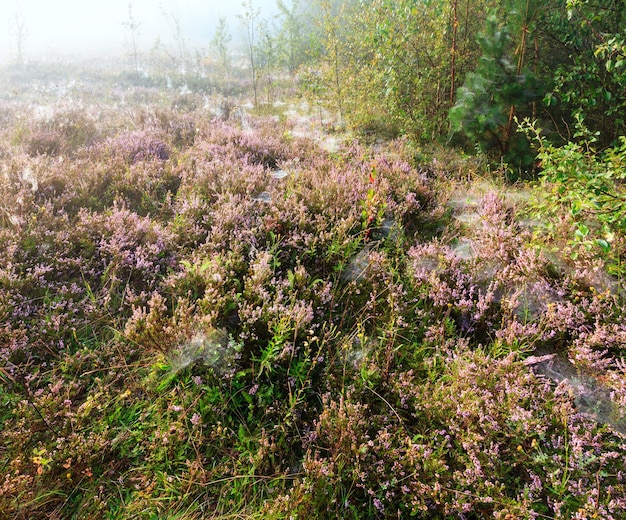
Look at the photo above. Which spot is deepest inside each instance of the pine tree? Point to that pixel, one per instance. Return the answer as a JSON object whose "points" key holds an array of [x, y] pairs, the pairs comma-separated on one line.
{"points": [[501, 86]]}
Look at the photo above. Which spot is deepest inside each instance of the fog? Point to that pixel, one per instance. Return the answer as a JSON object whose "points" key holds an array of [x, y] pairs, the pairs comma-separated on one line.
{"points": [[79, 27]]}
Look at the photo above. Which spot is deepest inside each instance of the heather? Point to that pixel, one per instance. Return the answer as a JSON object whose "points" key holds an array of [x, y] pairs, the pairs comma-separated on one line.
{"points": [[205, 313]]}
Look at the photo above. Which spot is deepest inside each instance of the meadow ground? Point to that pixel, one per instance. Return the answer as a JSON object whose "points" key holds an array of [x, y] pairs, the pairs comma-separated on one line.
{"points": [[206, 312]]}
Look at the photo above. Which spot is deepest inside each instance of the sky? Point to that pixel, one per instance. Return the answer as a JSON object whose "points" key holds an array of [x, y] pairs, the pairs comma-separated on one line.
{"points": [[84, 26]]}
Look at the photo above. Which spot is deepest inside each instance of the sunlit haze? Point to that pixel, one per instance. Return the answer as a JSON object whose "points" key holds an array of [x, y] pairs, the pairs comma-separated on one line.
{"points": [[79, 27]]}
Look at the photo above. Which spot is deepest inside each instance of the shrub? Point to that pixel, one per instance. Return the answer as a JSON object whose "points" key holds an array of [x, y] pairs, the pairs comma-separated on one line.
{"points": [[583, 189]]}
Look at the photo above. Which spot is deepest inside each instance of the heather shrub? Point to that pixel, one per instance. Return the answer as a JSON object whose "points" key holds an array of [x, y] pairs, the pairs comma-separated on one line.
{"points": [[215, 317], [132, 253], [214, 165], [138, 145], [44, 142], [66, 275], [43, 281], [153, 327], [181, 129], [474, 441], [63, 133], [179, 126], [190, 224], [236, 224], [266, 144], [144, 187], [68, 188], [8, 117]]}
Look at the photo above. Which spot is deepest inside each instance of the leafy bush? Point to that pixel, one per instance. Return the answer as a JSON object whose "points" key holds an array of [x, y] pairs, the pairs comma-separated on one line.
{"points": [[588, 187]]}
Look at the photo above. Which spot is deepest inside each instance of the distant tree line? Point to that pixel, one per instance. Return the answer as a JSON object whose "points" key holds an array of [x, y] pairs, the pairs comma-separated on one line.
{"points": [[464, 70], [460, 71]]}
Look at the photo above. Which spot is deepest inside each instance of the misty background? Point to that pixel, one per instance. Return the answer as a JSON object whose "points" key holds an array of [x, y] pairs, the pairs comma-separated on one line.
{"points": [[79, 28]]}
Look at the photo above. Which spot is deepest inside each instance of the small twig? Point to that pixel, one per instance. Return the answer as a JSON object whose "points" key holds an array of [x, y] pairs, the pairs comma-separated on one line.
{"points": [[386, 402]]}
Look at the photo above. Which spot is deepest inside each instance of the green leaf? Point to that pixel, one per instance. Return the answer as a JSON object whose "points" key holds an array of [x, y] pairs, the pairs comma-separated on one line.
{"points": [[582, 231], [604, 245]]}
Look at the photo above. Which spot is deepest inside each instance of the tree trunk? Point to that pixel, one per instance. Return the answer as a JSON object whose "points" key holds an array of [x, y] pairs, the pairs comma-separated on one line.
{"points": [[453, 52]]}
